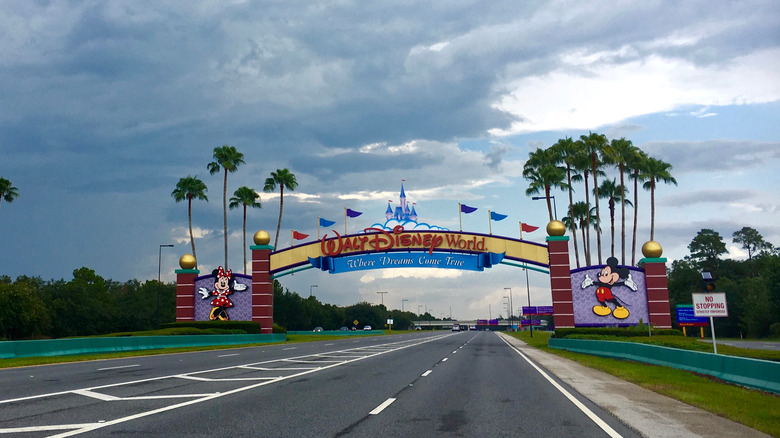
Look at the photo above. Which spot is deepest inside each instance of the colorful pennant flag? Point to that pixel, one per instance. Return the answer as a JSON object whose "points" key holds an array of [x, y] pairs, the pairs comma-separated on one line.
{"points": [[325, 222], [497, 217], [528, 228], [353, 213], [298, 236], [466, 209]]}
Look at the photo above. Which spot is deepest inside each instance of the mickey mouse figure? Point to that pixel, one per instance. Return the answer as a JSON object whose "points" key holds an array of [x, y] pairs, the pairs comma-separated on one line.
{"points": [[222, 288], [609, 277]]}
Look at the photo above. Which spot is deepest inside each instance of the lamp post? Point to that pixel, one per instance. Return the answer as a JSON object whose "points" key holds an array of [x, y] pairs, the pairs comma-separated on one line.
{"points": [[528, 289], [402, 304], [313, 285], [382, 294], [555, 207], [510, 305], [159, 260]]}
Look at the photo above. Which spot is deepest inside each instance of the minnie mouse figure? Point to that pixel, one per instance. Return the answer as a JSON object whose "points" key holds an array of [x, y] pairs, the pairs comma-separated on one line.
{"points": [[222, 288]]}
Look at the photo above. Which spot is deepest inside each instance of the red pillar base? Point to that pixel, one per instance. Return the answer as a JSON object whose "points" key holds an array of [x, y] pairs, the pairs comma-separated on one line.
{"points": [[262, 288], [657, 292], [185, 294], [560, 281]]}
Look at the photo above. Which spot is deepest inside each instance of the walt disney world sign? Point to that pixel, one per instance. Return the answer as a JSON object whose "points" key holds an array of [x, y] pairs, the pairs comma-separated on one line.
{"points": [[377, 248]]}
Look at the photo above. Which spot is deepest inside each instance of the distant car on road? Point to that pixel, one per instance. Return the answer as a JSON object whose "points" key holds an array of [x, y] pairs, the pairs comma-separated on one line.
{"points": [[417, 327], [367, 328], [317, 329], [343, 329], [456, 327]]}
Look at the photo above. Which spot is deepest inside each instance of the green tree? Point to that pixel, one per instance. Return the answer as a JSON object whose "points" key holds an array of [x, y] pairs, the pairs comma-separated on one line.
{"points": [[567, 151], [226, 158], [284, 179], [594, 146], [542, 171], [752, 241], [613, 193], [7, 191], [620, 153], [705, 249], [190, 188], [246, 197], [656, 171]]}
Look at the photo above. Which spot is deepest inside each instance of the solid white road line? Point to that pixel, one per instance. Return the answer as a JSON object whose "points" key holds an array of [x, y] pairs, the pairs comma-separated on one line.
{"points": [[595, 418], [116, 368], [382, 407]]}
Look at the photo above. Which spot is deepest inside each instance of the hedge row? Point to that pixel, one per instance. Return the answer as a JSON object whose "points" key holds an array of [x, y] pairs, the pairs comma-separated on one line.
{"points": [[248, 327], [608, 331]]}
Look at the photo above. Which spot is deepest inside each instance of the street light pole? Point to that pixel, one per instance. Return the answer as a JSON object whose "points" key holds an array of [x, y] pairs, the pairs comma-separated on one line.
{"points": [[382, 294], [402, 304], [510, 305], [528, 289], [555, 207], [313, 285], [159, 260]]}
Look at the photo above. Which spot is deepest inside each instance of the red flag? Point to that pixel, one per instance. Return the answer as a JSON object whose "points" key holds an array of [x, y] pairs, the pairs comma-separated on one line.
{"points": [[299, 236], [528, 228]]}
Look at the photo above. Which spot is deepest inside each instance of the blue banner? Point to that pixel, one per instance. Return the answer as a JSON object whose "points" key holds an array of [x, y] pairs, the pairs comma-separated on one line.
{"points": [[362, 262]]}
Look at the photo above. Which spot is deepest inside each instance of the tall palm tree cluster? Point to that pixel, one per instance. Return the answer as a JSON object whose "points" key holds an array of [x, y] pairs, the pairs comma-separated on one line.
{"points": [[569, 162], [227, 159]]}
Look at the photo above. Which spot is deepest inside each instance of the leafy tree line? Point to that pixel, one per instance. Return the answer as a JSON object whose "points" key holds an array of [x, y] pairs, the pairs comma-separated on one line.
{"points": [[31, 308], [752, 286], [586, 161]]}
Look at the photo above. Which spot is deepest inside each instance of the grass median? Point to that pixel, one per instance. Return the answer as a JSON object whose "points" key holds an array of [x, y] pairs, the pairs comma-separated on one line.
{"points": [[756, 409]]}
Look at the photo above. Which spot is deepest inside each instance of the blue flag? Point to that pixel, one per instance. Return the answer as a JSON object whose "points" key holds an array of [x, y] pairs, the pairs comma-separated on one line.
{"points": [[353, 213], [497, 217], [326, 223], [466, 209]]}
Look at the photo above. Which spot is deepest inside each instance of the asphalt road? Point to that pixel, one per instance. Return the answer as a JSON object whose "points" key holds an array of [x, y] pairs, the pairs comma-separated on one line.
{"points": [[421, 384]]}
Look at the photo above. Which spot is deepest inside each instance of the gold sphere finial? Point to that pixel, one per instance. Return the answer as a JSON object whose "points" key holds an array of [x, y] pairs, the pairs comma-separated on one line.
{"points": [[187, 261], [652, 249], [262, 238], [556, 228]]}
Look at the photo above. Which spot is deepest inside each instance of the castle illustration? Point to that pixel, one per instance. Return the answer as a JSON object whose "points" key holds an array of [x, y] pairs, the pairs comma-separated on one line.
{"points": [[402, 212]]}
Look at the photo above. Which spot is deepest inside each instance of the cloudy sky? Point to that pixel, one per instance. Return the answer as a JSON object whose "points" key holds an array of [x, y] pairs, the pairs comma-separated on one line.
{"points": [[105, 105]]}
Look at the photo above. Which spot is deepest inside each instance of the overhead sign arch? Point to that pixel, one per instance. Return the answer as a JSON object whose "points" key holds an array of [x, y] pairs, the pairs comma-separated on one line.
{"points": [[377, 248]]}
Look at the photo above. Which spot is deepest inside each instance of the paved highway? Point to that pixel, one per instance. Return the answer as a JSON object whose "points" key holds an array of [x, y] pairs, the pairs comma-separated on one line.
{"points": [[421, 384]]}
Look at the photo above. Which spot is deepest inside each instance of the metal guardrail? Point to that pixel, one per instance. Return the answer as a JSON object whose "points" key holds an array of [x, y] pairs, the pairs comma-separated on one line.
{"points": [[754, 373]]}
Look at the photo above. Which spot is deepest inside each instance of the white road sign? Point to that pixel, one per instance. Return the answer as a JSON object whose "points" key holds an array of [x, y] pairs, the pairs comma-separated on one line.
{"points": [[712, 304]]}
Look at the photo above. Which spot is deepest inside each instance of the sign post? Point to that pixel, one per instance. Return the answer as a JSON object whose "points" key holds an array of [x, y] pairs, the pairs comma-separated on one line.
{"points": [[710, 305]]}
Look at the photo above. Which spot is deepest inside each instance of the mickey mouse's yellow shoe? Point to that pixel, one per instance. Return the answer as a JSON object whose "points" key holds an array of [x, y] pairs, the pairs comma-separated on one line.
{"points": [[602, 310], [620, 312]]}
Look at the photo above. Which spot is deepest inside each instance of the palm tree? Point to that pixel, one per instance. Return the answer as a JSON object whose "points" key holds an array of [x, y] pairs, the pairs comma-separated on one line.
{"points": [[656, 171], [542, 171], [583, 215], [190, 188], [635, 166], [284, 179], [226, 158], [567, 151], [613, 193], [246, 197], [581, 163], [594, 145], [7, 191], [620, 152]]}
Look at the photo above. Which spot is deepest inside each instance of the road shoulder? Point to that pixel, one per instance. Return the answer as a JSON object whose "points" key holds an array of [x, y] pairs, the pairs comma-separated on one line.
{"points": [[653, 415]]}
